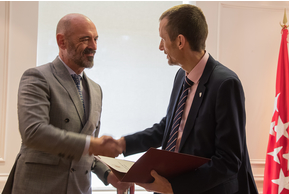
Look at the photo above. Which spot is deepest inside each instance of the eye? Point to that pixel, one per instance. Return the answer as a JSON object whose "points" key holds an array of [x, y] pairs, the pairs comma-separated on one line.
{"points": [[84, 39]]}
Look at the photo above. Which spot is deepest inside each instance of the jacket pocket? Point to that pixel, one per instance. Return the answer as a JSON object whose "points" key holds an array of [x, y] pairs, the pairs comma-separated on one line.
{"points": [[41, 158]]}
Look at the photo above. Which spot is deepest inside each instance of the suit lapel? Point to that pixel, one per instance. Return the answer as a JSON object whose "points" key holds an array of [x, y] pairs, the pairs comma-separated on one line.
{"points": [[91, 106], [95, 106], [199, 95], [62, 75]]}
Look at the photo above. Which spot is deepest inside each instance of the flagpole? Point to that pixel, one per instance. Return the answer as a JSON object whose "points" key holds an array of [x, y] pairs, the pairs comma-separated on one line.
{"points": [[284, 20]]}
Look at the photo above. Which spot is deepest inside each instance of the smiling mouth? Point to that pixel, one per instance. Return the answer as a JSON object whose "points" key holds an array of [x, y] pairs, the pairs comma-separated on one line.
{"points": [[89, 52]]}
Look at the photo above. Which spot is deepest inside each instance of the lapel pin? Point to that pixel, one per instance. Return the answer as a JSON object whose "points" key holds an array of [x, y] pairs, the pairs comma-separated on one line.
{"points": [[200, 94]]}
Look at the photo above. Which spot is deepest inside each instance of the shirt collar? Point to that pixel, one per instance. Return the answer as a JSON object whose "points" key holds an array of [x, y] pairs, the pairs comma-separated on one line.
{"points": [[69, 69], [198, 70]]}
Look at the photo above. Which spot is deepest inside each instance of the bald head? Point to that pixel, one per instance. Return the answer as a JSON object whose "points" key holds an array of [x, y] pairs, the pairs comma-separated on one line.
{"points": [[77, 38], [68, 22]]}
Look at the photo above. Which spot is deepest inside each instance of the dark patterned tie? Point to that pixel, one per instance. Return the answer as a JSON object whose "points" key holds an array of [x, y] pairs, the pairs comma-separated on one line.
{"points": [[171, 145], [77, 79]]}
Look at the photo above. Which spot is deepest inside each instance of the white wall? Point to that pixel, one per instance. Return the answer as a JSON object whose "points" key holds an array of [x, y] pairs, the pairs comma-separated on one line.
{"points": [[20, 54], [244, 36]]}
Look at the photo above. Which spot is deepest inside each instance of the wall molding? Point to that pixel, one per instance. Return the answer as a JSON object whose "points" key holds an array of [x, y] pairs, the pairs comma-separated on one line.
{"points": [[259, 162], [4, 79], [258, 166], [3, 179], [274, 6], [254, 5]]}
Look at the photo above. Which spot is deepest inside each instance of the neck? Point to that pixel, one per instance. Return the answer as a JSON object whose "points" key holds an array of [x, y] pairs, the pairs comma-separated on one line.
{"points": [[191, 59], [77, 69]]}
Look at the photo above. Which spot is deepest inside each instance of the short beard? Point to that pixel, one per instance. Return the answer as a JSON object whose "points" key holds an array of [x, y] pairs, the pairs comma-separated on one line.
{"points": [[83, 61]]}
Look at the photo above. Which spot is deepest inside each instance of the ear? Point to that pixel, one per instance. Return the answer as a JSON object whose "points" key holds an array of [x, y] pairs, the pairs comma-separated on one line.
{"points": [[61, 41], [181, 41]]}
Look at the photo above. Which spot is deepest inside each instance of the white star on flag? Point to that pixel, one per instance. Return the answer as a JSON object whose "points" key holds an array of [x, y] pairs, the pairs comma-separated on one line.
{"points": [[274, 154], [272, 128], [281, 129], [276, 104], [283, 182], [286, 156]]}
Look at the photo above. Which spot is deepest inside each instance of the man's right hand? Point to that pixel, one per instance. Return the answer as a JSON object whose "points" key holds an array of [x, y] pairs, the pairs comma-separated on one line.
{"points": [[105, 146]]}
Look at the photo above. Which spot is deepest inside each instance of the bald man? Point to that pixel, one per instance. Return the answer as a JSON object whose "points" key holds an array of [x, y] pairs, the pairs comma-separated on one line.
{"points": [[59, 111]]}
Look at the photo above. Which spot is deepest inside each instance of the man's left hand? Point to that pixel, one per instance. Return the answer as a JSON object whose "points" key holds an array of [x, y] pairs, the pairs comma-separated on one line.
{"points": [[120, 186], [160, 184]]}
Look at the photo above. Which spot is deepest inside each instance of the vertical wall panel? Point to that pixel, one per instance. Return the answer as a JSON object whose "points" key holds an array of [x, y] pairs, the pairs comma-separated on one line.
{"points": [[18, 55], [4, 30]]}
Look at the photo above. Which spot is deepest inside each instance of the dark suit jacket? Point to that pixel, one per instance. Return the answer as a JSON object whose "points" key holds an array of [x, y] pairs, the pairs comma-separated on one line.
{"points": [[215, 129]]}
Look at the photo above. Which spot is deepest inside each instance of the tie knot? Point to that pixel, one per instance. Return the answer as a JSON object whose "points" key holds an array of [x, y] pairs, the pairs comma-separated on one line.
{"points": [[76, 78], [188, 83]]}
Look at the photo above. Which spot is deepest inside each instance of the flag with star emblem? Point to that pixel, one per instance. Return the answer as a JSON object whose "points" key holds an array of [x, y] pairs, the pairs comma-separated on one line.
{"points": [[276, 175]]}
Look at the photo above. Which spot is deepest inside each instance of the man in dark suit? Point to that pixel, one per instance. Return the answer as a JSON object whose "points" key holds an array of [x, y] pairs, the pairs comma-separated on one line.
{"points": [[59, 119], [206, 118]]}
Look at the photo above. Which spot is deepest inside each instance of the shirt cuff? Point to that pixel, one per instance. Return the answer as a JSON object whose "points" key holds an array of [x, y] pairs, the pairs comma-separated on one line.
{"points": [[87, 144]]}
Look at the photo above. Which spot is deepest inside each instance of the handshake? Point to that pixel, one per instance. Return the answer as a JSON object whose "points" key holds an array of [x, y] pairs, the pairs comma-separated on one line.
{"points": [[106, 146]]}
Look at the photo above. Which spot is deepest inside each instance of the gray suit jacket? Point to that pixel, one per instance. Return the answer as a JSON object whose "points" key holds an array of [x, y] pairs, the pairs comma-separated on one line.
{"points": [[53, 133]]}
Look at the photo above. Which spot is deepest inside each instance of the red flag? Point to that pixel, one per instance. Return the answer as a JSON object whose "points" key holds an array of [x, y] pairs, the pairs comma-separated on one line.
{"points": [[276, 175]]}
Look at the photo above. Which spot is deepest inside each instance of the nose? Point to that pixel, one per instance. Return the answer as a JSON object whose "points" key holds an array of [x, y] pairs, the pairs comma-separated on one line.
{"points": [[93, 44], [161, 47]]}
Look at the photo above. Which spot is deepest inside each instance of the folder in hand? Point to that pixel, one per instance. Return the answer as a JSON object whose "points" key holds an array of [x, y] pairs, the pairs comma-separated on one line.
{"points": [[165, 163]]}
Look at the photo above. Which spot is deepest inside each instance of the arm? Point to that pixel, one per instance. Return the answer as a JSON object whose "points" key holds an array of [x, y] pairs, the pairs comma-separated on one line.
{"points": [[143, 140]]}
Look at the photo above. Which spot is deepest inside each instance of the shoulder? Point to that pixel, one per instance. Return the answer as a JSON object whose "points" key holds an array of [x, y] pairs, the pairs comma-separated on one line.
{"points": [[220, 79], [219, 72], [37, 72]]}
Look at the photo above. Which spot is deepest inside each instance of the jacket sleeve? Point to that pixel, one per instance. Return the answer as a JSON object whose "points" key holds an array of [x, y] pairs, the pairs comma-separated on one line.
{"points": [[101, 170], [143, 140]]}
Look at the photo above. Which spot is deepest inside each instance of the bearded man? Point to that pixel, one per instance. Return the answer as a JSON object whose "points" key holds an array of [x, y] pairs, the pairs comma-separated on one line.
{"points": [[59, 111]]}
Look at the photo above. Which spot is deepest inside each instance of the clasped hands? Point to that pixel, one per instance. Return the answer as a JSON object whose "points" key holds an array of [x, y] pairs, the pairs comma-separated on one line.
{"points": [[107, 146]]}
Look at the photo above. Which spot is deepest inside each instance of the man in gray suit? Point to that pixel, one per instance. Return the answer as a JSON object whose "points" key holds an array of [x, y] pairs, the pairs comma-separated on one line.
{"points": [[59, 119]]}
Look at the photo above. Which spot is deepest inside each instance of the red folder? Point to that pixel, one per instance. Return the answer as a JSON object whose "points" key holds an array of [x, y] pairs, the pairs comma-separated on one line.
{"points": [[165, 163]]}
